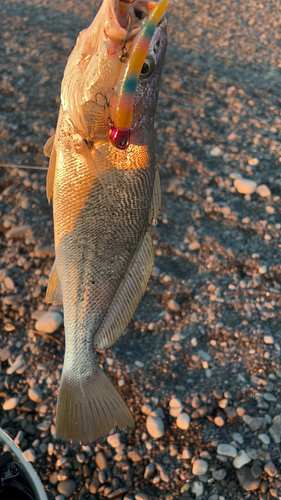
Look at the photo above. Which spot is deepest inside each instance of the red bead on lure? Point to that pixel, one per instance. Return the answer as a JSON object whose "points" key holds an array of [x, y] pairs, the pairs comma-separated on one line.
{"points": [[119, 134]]}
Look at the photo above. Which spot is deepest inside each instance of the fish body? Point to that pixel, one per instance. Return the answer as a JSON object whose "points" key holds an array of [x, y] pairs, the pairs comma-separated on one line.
{"points": [[104, 200]]}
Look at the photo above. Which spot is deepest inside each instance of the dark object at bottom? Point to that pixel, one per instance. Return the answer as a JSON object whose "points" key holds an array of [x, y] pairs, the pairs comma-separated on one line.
{"points": [[13, 482]]}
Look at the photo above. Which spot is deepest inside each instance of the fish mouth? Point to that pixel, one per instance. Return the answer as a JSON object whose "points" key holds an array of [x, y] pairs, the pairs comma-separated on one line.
{"points": [[126, 18]]}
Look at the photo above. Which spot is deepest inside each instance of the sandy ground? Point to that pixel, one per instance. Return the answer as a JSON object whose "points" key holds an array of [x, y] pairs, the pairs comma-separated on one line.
{"points": [[208, 329]]}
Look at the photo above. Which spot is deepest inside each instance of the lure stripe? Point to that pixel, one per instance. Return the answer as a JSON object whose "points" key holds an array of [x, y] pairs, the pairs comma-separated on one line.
{"points": [[129, 80]]}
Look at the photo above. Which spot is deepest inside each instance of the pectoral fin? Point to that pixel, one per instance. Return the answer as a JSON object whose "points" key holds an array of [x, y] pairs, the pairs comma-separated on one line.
{"points": [[156, 200], [54, 290], [49, 146], [50, 150], [128, 296]]}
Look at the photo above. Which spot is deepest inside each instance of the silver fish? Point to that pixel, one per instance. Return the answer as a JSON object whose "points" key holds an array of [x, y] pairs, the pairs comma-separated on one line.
{"points": [[104, 200]]}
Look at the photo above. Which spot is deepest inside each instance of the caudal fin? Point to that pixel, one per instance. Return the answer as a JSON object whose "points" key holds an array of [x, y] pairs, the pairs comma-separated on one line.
{"points": [[90, 410]]}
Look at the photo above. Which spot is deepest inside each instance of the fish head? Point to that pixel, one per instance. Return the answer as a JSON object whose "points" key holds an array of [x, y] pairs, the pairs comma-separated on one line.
{"points": [[95, 68]]}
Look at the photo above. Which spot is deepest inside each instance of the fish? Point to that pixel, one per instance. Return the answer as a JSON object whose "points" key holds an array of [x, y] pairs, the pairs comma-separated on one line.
{"points": [[105, 184]]}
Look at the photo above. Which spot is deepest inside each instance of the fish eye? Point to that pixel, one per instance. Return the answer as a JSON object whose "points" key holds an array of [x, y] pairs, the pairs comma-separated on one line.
{"points": [[148, 67]]}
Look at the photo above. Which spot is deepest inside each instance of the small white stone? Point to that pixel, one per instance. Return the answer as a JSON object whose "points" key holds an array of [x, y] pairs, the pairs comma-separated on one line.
{"points": [[263, 191], [10, 404], [245, 186], [227, 450], [18, 232], [186, 454], [216, 152], [175, 403], [241, 459], [253, 162], [155, 426], [139, 364], [114, 440], [49, 322], [194, 245], [19, 361], [264, 438], [263, 269], [183, 421], [146, 409], [268, 339], [29, 455], [199, 467], [173, 306], [198, 488], [174, 412]]}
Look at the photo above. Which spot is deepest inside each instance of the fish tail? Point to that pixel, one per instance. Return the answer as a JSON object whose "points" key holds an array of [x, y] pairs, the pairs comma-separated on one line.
{"points": [[89, 409]]}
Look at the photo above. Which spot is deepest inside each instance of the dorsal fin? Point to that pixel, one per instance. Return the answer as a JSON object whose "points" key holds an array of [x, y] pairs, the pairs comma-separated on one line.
{"points": [[51, 174], [128, 295], [54, 290], [49, 146]]}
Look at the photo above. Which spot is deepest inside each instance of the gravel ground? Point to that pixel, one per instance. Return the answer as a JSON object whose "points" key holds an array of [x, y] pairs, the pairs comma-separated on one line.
{"points": [[199, 364]]}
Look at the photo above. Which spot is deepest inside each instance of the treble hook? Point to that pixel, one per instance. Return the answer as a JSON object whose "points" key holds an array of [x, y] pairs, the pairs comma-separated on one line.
{"points": [[124, 53]]}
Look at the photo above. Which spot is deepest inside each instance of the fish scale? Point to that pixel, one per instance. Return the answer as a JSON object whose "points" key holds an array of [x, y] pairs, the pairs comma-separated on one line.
{"points": [[104, 200]]}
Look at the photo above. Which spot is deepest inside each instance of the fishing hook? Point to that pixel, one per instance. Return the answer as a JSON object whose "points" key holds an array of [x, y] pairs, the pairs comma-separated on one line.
{"points": [[124, 53]]}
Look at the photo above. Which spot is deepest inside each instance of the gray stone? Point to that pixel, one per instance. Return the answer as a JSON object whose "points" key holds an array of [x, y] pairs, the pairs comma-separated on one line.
{"points": [[264, 438], [256, 470], [219, 474], [255, 423], [149, 471], [275, 429], [35, 394], [199, 467], [4, 354], [268, 396], [227, 450], [49, 322], [67, 487], [198, 488], [241, 459], [246, 480]]}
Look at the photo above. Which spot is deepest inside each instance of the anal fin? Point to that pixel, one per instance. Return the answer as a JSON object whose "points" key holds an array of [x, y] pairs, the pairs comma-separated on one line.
{"points": [[54, 290], [128, 295]]}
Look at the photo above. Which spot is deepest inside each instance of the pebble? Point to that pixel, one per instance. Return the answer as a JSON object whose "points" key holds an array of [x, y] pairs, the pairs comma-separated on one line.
{"points": [[175, 407], [18, 232], [49, 322], [194, 245], [241, 459], [101, 460], [268, 396], [67, 487], [199, 467], [4, 354], [255, 423], [246, 480], [264, 438], [219, 474], [270, 469], [227, 450], [186, 454], [198, 488], [35, 394], [219, 421], [256, 470], [10, 300], [146, 409], [268, 339], [183, 421], [149, 471], [94, 485], [141, 496], [163, 473], [245, 186], [275, 429], [216, 152], [253, 162], [114, 440], [263, 191], [30, 455], [10, 404], [155, 426], [18, 363], [134, 456], [173, 306]]}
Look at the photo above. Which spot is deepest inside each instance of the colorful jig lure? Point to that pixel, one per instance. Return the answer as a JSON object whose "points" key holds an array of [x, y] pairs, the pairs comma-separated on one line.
{"points": [[119, 134]]}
